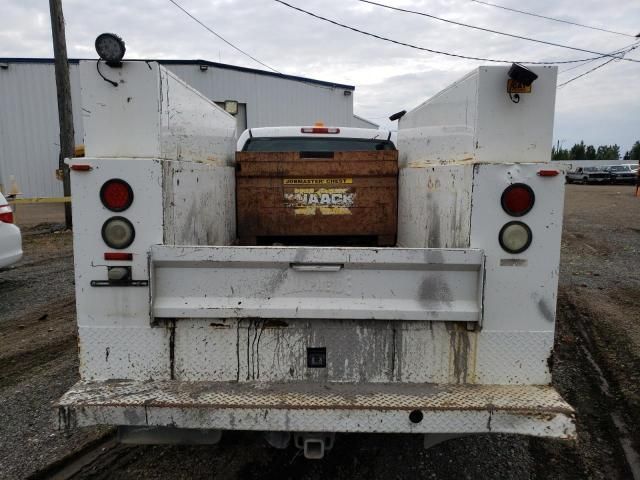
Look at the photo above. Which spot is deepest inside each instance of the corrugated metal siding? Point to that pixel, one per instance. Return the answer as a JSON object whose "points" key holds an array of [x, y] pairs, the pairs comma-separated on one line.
{"points": [[271, 101], [360, 122], [29, 119], [29, 135]]}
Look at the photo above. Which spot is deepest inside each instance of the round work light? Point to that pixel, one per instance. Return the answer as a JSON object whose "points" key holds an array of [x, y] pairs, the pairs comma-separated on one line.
{"points": [[110, 47]]}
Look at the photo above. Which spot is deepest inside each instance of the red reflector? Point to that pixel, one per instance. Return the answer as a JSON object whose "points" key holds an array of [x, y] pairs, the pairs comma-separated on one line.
{"points": [[548, 173], [81, 167], [517, 199], [116, 195], [319, 130], [118, 256], [6, 214]]}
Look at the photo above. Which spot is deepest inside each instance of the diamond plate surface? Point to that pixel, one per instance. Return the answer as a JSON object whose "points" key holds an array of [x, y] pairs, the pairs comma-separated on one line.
{"points": [[531, 410], [124, 352], [513, 357], [317, 396]]}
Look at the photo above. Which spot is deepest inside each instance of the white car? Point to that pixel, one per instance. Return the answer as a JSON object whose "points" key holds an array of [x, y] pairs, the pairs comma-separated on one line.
{"points": [[10, 237]]}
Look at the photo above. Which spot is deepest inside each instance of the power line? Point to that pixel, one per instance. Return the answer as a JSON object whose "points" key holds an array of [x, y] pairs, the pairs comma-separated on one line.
{"points": [[439, 52], [624, 50], [594, 69], [587, 72], [222, 38], [434, 17], [553, 19]]}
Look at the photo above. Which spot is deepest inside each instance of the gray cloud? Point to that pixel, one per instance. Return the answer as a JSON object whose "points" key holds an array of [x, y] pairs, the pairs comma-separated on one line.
{"points": [[603, 107]]}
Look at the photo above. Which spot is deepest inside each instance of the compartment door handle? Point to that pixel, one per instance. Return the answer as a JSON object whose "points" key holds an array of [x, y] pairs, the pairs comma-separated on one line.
{"points": [[316, 267]]}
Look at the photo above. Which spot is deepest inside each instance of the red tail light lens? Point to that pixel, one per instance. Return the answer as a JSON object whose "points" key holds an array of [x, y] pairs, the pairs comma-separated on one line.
{"points": [[319, 130], [6, 214], [116, 195], [517, 199], [118, 256]]}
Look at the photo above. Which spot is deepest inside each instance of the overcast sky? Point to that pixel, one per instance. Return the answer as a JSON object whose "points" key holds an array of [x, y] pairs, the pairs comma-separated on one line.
{"points": [[601, 108]]}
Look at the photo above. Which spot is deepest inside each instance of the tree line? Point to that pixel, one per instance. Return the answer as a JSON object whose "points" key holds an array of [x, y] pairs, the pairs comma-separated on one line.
{"points": [[580, 151]]}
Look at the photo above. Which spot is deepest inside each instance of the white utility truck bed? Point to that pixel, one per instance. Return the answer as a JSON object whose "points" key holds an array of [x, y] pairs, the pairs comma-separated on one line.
{"points": [[183, 334]]}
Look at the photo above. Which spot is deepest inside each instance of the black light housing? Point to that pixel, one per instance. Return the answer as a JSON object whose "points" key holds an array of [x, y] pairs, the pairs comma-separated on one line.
{"points": [[515, 237], [398, 115], [110, 48], [116, 195], [118, 233], [517, 199], [522, 75]]}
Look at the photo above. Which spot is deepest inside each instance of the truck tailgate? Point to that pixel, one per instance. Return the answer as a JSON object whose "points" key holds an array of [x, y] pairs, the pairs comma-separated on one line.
{"points": [[304, 282]]}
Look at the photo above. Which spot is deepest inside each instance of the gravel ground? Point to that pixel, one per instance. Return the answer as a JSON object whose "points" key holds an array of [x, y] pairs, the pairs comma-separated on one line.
{"points": [[596, 368], [38, 360]]}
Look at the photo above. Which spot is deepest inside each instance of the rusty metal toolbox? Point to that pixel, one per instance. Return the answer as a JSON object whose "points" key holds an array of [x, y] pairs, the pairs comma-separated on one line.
{"points": [[339, 197]]}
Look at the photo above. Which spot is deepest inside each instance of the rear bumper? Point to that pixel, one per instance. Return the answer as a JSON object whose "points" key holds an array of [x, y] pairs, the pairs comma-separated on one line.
{"points": [[306, 407]]}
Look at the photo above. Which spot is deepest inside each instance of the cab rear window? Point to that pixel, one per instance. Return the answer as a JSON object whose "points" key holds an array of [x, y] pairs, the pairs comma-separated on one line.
{"points": [[316, 144]]}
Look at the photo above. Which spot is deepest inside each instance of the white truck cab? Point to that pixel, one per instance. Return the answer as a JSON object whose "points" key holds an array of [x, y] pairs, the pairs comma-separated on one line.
{"points": [[316, 137], [183, 334]]}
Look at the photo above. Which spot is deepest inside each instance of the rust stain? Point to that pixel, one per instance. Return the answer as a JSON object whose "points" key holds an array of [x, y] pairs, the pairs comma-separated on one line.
{"points": [[462, 353]]}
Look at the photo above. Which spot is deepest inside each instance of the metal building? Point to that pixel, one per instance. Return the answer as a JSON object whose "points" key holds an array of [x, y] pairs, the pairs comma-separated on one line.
{"points": [[29, 119]]}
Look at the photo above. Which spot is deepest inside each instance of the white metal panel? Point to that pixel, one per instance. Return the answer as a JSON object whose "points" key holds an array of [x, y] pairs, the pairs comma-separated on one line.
{"points": [[358, 351], [199, 204], [507, 131], [140, 353], [512, 358], [441, 128], [192, 126], [29, 132], [434, 206], [122, 121], [153, 114], [299, 282], [521, 289], [475, 120], [115, 337]]}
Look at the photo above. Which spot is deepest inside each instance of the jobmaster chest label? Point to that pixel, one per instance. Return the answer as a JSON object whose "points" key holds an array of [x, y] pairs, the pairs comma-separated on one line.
{"points": [[317, 181], [310, 199]]}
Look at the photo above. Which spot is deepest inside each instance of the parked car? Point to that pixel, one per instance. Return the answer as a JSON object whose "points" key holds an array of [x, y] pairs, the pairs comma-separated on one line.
{"points": [[10, 237], [588, 175], [621, 174]]}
